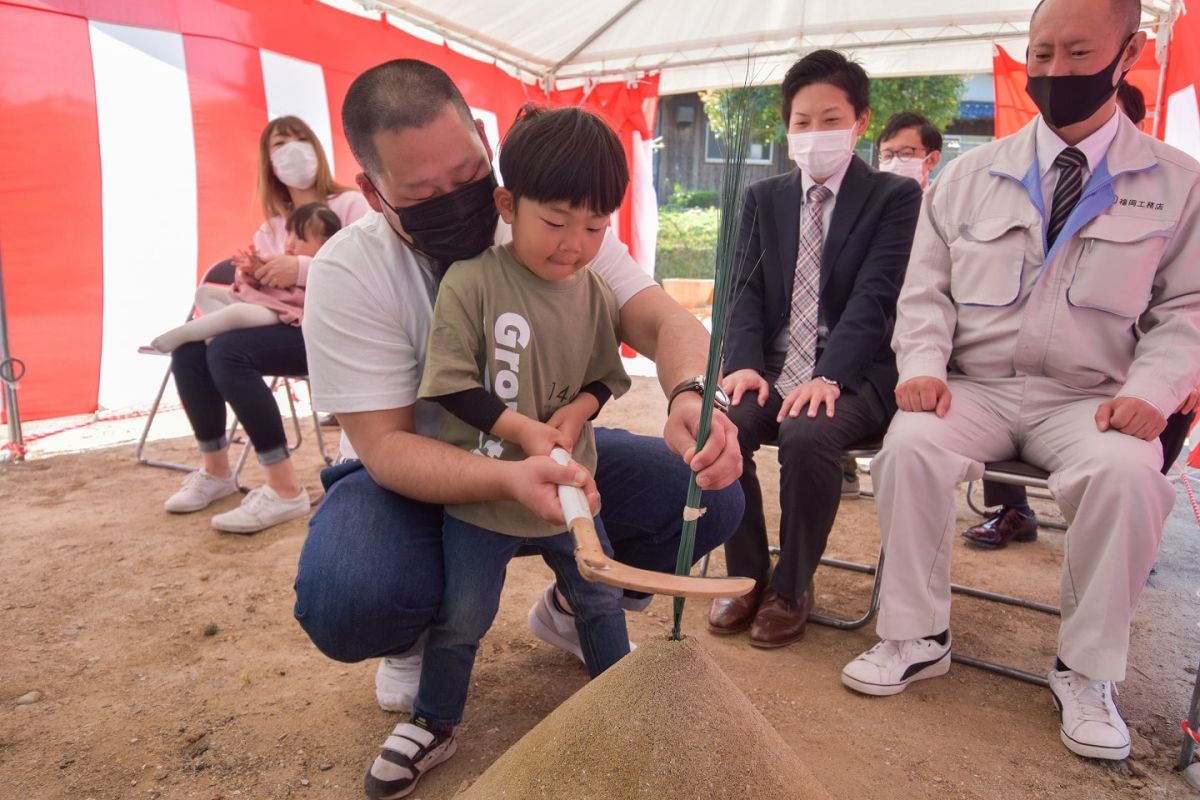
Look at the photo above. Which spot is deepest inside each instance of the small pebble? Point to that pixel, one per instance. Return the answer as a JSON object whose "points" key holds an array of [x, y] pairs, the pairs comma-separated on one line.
{"points": [[325, 766], [304, 781], [29, 697], [211, 629]]}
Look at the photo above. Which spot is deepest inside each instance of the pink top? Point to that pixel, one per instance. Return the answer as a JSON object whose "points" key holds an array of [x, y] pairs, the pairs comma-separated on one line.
{"points": [[270, 240]]}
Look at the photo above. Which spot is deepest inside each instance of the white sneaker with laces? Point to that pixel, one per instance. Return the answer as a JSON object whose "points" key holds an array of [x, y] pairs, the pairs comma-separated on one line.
{"points": [[398, 678], [556, 627], [261, 509], [1091, 725], [199, 490], [888, 667]]}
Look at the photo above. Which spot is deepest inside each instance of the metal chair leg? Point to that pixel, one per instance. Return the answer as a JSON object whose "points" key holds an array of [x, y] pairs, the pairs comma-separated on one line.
{"points": [[140, 453], [872, 605], [1189, 744]]}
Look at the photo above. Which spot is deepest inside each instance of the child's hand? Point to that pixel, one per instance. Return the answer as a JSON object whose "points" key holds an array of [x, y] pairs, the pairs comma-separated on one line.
{"points": [[539, 438], [569, 419]]}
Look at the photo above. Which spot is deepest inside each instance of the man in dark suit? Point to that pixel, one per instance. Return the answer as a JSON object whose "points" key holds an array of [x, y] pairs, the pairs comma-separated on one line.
{"points": [[808, 360]]}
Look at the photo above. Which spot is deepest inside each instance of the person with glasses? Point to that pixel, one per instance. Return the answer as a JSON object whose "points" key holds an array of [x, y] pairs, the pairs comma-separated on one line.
{"points": [[910, 146]]}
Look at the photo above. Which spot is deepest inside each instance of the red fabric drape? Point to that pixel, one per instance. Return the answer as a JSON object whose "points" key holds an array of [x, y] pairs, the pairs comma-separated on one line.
{"points": [[50, 171]]}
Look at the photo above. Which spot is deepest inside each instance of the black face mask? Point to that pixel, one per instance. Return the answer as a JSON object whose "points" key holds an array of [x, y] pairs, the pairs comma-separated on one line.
{"points": [[454, 226], [1067, 99]]}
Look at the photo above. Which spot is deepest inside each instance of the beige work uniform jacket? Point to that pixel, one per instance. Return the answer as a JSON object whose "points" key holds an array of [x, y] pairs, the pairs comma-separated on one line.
{"points": [[1113, 308]]}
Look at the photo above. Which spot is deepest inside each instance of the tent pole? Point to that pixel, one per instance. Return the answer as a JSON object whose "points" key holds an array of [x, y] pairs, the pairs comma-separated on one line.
{"points": [[1162, 42], [9, 377]]}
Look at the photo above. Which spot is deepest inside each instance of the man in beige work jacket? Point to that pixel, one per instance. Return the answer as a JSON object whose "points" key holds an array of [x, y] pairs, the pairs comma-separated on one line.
{"points": [[1051, 310]]}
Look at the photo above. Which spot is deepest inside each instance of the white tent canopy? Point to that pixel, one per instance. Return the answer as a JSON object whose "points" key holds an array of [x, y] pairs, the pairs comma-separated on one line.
{"points": [[704, 44]]}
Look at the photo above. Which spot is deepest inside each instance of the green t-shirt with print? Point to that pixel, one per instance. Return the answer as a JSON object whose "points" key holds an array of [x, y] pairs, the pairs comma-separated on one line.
{"points": [[531, 343]]}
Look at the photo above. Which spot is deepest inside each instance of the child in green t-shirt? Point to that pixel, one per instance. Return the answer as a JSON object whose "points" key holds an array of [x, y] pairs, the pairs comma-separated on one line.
{"points": [[523, 353]]}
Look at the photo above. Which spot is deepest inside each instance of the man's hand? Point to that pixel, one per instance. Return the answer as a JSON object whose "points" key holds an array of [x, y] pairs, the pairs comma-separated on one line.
{"points": [[534, 484], [569, 419], [745, 381], [924, 394], [811, 394], [1190, 402], [720, 462], [280, 272], [1131, 416]]}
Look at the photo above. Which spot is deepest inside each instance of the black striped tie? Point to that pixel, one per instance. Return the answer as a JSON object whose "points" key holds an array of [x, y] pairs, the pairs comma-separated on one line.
{"points": [[1070, 163]]}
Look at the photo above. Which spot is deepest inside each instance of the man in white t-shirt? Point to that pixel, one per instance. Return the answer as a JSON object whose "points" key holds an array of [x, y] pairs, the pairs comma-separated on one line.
{"points": [[370, 574]]}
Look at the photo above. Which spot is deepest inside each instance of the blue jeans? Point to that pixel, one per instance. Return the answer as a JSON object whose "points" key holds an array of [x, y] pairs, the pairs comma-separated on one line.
{"points": [[475, 561], [370, 576]]}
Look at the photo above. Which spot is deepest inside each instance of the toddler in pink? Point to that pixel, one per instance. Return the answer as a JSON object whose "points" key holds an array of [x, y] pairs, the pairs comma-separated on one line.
{"points": [[249, 303]]}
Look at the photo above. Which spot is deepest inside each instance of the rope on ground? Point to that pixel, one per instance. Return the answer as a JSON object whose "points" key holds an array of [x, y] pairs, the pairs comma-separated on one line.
{"points": [[21, 450]]}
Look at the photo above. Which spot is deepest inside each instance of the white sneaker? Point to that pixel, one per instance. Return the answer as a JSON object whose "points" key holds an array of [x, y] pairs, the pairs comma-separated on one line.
{"points": [[888, 667], [199, 490], [850, 486], [398, 678], [556, 627], [1091, 725], [261, 509]]}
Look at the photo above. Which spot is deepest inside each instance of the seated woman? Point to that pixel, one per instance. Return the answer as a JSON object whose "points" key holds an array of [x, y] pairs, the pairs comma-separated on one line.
{"points": [[292, 172]]}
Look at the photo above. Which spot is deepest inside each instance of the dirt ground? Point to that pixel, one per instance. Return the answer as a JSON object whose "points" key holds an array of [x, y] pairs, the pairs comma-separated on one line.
{"points": [[169, 666]]}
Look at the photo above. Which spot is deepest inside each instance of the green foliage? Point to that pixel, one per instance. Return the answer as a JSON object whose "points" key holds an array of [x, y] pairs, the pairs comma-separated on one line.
{"points": [[933, 96], [692, 198], [720, 106], [687, 240]]}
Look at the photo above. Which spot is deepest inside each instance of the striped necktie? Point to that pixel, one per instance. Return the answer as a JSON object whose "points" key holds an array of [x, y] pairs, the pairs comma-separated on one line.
{"points": [[802, 323], [1070, 163]]}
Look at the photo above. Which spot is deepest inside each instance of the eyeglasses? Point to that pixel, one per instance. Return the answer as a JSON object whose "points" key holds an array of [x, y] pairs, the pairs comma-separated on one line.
{"points": [[901, 155]]}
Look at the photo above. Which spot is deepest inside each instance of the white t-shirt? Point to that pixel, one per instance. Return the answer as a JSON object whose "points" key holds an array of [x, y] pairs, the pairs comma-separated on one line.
{"points": [[368, 309]]}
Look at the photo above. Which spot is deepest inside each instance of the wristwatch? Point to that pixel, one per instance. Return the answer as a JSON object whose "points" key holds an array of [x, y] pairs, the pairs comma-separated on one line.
{"points": [[696, 384], [829, 381]]}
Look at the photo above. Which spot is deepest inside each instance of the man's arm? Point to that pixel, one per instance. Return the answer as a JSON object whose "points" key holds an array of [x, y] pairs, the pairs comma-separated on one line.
{"points": [[925, 313], [1166, 361], [430, 471]]}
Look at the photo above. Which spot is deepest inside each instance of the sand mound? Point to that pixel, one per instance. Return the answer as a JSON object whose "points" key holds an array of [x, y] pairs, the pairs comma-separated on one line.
{"points": [[664, 724]]}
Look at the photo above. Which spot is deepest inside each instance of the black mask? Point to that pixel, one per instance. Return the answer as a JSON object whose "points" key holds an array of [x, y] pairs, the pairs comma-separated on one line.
{"points": [[1067, 99], [454, 226]]}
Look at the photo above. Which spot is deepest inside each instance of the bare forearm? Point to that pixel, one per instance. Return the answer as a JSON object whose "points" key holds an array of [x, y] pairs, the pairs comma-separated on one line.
{"points": [[431, 471], [662, 330]]}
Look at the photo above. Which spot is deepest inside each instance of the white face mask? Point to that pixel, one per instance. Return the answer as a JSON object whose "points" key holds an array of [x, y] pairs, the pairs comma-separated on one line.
{"points": [[909, 168], [295, 164], [820, 154]]}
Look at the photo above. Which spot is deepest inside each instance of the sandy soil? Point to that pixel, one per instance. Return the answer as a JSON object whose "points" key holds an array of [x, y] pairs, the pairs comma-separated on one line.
{"points": [[168, 663]]}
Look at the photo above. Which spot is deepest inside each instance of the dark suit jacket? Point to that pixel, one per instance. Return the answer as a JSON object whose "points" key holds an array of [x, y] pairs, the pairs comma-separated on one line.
{"points": [[862, 267]]}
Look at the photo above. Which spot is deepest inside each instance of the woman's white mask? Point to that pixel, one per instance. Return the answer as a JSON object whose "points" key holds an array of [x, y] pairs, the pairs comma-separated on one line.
{"points": [[295, 164]]}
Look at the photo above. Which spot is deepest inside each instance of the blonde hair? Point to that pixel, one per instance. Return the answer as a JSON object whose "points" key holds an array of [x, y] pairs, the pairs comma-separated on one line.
{"points": [[272, 193]]}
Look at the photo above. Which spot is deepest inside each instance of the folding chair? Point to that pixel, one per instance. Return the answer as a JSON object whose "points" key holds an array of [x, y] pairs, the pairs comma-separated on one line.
{"points": [[222, 274]]}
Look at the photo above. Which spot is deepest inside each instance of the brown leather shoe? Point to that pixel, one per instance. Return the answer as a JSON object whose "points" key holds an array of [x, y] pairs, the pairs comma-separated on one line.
{"points": [[780, 620], [734, 614], [1007, 524]]}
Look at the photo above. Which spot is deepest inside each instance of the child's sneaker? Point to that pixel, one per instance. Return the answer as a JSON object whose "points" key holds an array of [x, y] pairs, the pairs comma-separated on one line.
{"points": [[409, 752], [555, 626]]}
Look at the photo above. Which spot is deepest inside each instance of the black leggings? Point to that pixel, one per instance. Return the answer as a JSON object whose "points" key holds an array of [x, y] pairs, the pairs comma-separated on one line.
{"points": [[231, 369], [1172, 437]]}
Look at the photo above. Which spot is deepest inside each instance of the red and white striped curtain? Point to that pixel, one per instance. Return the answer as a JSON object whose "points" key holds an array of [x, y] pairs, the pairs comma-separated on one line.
{"points": [[128, 147]]}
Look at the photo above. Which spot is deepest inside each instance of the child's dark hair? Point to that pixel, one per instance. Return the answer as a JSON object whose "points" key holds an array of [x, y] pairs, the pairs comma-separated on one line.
{"points": [[564, 155], [827, 66], [316, 218]]}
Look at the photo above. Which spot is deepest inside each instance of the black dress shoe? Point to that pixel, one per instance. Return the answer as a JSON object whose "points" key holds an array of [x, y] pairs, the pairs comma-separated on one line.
{"points": [[1007, 524]]}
